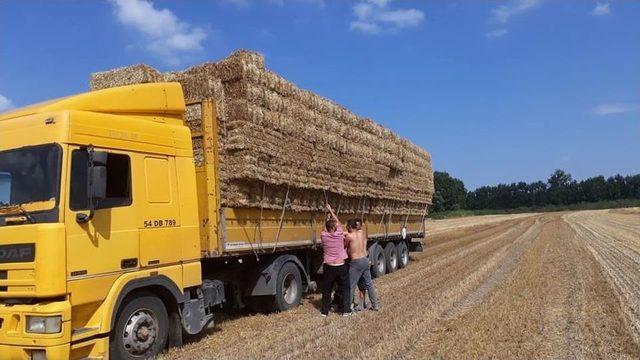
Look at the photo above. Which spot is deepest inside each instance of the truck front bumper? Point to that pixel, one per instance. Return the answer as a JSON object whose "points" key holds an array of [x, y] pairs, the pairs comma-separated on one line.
{"points": [[17, 352], [17, 343]]}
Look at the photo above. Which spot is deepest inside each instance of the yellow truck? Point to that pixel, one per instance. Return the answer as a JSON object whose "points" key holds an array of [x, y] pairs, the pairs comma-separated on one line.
{"points": [[113, 243]]}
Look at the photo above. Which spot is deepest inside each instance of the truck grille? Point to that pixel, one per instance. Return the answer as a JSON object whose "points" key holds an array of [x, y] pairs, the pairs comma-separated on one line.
{"points": [[19, 281]]}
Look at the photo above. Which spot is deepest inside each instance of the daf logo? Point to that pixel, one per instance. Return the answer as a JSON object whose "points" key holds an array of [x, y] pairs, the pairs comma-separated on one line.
{"points": [[17, 253]]}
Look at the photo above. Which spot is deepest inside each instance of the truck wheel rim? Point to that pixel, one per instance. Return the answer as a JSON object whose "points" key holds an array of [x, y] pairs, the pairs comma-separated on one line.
{"points": [[404, 256], [290, 289], [393, 261], [140, 332], [380, 264]]}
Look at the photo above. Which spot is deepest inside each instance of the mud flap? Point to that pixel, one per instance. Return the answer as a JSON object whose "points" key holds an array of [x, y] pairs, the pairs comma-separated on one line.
{"points": [[264, 279], [415, 246]]}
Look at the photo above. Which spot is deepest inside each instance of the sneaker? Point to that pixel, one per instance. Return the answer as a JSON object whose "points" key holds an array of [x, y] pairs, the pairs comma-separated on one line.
{"points": [[347, 314], [375, 308], [323, 315]]}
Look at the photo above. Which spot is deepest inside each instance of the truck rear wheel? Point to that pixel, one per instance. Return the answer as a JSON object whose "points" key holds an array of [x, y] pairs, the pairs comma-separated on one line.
{"points": [[391, 257], [141, 329], [288, 287], [403, 254], [379, 263]]}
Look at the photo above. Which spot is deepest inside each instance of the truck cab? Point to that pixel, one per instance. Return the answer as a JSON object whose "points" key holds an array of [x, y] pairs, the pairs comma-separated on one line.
{"points": [[98, 208]]}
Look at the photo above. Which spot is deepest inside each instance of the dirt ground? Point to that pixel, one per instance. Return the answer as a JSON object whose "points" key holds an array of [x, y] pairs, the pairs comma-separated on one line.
{"points": [[557, 285]]}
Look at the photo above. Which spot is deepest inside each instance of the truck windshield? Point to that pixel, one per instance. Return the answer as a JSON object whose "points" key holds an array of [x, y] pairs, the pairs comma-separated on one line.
{"points": [[30, 177]]}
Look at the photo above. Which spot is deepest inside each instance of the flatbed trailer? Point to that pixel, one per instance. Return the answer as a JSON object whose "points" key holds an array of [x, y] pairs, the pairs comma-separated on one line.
{"points": [[239, 231], [117, 243]]}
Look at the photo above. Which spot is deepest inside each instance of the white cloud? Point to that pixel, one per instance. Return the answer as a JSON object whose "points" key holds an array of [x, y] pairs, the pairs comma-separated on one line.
{"points": [[166, 35], [376, 16], [601, 9], [500, 15], [614, 108], [5, 104], [497, 33], [503, 13]]}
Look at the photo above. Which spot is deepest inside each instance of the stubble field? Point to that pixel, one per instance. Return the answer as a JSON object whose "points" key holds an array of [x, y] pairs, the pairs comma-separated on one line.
{"points": [[555, 285]]}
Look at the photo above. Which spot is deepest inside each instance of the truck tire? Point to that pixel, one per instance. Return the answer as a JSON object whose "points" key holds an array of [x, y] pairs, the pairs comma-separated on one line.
{"points": [[379, 263], [288, 287], [403, 254], [141, 328], [391, 257]]}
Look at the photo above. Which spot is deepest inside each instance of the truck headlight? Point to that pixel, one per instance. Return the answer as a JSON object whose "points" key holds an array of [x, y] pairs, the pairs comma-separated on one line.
{"points": [[44, 324]]}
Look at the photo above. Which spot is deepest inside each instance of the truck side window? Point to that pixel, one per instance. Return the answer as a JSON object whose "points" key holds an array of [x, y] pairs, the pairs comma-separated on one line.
{"points": [[118, 181]]}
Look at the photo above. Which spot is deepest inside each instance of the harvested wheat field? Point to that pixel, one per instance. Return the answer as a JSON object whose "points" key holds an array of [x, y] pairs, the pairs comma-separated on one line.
{"points": [[557, 285]]}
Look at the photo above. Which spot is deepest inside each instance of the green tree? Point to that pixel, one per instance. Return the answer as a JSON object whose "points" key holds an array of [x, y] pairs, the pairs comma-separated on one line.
{"points": [[450, 192], [561, 188]]}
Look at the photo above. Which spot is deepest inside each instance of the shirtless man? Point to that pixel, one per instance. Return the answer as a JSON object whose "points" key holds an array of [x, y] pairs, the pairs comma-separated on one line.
{"points": [[359, 268]]}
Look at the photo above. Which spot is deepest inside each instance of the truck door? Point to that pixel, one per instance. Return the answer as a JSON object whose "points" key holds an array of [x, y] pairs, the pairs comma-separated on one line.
{"points": [[160, 237], [109, 243]]}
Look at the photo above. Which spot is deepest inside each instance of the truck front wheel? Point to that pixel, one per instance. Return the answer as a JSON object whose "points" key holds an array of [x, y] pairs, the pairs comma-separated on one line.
{"points": [[141, 328]]}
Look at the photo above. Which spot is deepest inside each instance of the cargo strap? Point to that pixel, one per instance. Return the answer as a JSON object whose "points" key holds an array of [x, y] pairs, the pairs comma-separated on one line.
{"points": [[326, 202], [284, 208], [264, 191], [386, 233], [424, 216], [363, 200], [384, 213]]}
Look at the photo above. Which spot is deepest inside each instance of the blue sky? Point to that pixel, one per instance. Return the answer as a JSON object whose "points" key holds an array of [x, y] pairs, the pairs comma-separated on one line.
{"points": [[497, 91]]}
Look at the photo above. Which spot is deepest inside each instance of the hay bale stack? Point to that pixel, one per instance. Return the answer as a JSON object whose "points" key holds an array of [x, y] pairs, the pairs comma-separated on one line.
{"points": [[277, 139], [129, 75]]}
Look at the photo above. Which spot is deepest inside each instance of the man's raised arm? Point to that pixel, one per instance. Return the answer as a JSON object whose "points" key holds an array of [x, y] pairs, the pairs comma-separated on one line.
{"points": [[333, 216]]}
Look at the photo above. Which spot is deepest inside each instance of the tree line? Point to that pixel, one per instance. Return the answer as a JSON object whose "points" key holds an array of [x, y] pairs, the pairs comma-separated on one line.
{"points": [[559, 189]]}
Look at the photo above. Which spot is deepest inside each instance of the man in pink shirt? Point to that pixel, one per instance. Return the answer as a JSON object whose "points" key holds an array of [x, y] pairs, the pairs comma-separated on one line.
{"points": [[334, 269]]}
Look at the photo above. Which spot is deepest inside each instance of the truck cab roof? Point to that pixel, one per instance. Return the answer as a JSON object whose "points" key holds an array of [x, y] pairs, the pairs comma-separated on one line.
{"points": [[143, 117], [155, 99]]}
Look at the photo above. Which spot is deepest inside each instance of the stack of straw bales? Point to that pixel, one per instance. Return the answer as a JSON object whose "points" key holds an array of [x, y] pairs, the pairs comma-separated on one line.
{"points": [[278, 141]]}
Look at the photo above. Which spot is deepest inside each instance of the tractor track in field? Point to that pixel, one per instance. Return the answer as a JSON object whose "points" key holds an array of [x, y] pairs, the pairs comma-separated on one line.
{"points": [[526, 286]]}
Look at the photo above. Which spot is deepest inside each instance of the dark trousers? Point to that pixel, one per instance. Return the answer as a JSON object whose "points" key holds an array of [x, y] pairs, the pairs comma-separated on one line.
{"points": [[332, 275]]}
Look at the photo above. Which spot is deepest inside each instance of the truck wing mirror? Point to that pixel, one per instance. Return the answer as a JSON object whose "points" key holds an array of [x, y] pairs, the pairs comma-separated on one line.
{"points": [[96, 181]]}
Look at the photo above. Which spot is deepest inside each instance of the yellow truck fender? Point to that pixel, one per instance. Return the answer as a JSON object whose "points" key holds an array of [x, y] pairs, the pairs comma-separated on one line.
{"points": [[161, 285]]}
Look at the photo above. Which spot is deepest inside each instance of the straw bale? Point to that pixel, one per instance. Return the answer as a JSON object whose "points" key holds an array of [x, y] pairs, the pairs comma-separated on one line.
{"points": [[274, 136], [135, 74]]}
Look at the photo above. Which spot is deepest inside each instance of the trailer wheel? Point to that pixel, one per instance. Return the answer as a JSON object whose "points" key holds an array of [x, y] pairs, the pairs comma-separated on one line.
{"points": [[379, 263], [403, 254], [391, 257], [141, 329], [288, 287]]}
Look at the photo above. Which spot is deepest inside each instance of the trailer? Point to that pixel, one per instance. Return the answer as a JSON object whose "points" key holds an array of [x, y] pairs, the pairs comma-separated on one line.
{"points": [[113, 242]]}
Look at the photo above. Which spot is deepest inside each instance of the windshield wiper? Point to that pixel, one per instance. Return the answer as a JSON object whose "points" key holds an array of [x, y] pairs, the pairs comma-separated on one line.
{"points": [[22, 210], [26, 214]]}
